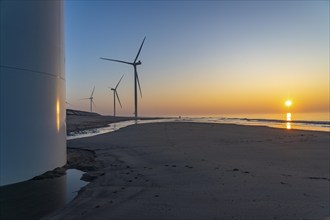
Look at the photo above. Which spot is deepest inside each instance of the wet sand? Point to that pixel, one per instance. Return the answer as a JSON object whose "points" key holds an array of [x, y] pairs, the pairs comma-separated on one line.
{"points": [[77, 123], [204, 171], [82, 122]]}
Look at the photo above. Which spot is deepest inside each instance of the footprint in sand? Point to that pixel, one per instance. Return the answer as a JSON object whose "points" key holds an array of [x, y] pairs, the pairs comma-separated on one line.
{"points": [[317, 178]]}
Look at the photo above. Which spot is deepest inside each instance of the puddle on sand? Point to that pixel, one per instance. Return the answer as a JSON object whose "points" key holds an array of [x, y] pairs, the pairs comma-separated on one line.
{"points": [[73, 183], [34, 199]]}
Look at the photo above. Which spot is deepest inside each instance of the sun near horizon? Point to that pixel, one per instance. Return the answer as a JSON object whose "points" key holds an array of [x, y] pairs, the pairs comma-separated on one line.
{"points": [[288, 103]]}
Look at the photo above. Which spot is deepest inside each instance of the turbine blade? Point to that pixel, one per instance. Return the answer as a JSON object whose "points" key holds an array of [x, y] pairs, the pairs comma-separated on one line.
{"points": [[118, 99], [120, 61], [137, 78], [92, 92], [139, 50], [93, 103], [84, 98], [119, 82]]}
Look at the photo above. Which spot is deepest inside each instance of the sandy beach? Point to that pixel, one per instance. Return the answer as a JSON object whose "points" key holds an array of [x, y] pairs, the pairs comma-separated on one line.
{"points": [[204, 171]]}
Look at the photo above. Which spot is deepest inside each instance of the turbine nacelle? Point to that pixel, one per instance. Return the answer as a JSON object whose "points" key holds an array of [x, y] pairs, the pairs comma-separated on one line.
{"points": [[91, 100], [115, 95], [138, 63]]}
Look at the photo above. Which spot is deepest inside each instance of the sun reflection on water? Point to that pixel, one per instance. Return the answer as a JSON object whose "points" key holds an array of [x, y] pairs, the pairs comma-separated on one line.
{"points": [[288, 120], [288, 125], [288, 116]]}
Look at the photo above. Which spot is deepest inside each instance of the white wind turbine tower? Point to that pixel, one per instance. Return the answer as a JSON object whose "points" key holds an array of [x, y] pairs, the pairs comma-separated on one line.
{"points": [[115, 94], [24, 67], [135, 63], [91, 100]]}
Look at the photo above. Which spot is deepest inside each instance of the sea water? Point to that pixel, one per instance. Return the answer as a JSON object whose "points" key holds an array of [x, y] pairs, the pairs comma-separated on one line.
{"points": [[275, 122]]}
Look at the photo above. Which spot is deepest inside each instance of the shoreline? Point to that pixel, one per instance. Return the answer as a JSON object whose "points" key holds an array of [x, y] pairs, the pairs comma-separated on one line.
{"points": [[76, 123], [135, 163]]}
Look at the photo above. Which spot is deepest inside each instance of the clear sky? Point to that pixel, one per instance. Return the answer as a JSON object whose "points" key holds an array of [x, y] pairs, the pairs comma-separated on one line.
{"points": [[199, 57]]}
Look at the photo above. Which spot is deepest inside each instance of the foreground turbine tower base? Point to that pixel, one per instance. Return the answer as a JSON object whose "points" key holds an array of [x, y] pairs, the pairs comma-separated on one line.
{"points": [[32, 92]]}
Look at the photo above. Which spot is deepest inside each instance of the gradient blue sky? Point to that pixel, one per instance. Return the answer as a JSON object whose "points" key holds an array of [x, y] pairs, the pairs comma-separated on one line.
{"points": [[200, 57]]}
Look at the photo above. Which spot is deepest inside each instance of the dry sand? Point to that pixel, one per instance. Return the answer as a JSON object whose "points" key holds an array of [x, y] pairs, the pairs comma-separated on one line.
{"points": [[204, 171]]}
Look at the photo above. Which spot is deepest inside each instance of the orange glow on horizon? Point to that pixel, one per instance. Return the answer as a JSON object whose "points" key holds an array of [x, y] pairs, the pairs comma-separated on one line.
{"points": [[222, 97]]}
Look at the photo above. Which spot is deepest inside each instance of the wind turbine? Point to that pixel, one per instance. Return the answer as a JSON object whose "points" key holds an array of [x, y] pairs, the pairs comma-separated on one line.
{"points": [[91, 100], [115, 93], [135, 63]]}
